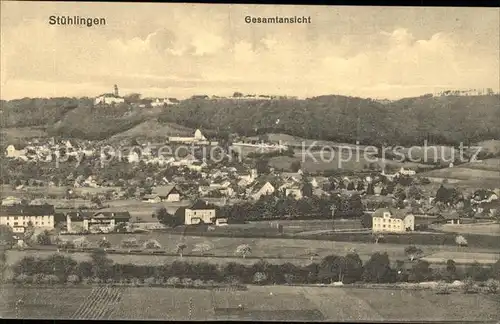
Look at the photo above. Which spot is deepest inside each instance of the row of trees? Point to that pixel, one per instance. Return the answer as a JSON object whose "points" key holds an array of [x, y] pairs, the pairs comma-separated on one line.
{"points": [[279, 207], [346, 269]]}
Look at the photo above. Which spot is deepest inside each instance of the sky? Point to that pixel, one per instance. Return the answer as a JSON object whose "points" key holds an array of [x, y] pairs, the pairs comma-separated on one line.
{"points": [[180, 50]]}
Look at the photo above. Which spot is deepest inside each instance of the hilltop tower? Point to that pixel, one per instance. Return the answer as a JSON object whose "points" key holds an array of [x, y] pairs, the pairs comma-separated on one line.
{"points": [[116, 91]]}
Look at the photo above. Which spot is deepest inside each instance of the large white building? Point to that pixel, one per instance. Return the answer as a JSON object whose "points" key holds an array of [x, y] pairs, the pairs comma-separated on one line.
{"points": [[19, 216], [392, 220], [164, 102], [108, 99], [100, 222], [200, 212], [197, 138]]}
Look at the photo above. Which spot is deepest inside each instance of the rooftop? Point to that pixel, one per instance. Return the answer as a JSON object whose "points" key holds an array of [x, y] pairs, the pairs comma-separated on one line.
{"points": [[27, 210], [395, 213], [201, 204]]}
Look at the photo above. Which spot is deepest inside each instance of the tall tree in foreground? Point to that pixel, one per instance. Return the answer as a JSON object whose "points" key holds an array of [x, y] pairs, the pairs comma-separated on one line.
{"points": [[377, 269]]}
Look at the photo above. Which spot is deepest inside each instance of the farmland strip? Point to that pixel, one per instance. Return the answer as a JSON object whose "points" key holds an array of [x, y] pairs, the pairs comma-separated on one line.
{"points": [[78, 313], [101, 304], [95, 302], [107, 304]]}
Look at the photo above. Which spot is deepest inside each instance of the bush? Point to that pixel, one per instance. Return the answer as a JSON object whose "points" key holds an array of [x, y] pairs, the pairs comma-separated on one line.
{"points": [[38, 278], [259, 278], [130, 242], [469, 286], [443, 288], [173, 281], [149, 281], [461, 241], [73, 279], [66, 245], [104, 244], [50, 279], [81, 242], [135, 282], [95, 280], [198, 283], [152, 244], [290, 278], [23, 279], [44, 238], [187, 282], [492, 286]]}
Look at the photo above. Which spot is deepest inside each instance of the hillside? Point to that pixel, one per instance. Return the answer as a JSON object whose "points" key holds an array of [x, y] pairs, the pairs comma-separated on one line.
{"points": [[483, 174], [152, 129], [38, 111], [442, 120], [410, 121]]}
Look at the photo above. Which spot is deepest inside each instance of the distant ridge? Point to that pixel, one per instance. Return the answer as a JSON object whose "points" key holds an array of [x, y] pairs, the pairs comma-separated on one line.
{"points": [[445, 120]]}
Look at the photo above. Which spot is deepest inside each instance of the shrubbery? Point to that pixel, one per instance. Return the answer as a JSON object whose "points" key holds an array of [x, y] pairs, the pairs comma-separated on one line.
{"points": [[346, 269]]}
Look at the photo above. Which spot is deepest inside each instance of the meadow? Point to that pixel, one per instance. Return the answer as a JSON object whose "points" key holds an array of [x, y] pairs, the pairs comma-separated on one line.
{"points": [[317, 161], [286, 303], [480, 228], [222, 249], [462, 258]]}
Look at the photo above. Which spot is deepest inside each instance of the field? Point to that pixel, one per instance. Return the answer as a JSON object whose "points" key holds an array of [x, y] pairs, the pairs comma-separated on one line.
{"points": [[463, 258], [316, 161], [483, 229], [154, 129], [461, 173], [257, 303], [274, 250], [487, 165], [18, 135]]}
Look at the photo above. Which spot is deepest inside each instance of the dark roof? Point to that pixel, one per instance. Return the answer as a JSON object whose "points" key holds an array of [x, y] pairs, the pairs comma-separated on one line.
{"points": [[164, 191], [201, 204], [27, 210], [395, 213], [78, 215], [122, 215]]}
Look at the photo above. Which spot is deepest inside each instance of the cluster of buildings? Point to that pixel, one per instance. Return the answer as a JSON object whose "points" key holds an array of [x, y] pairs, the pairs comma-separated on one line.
{"points": [[38, 151], [113, 98]]}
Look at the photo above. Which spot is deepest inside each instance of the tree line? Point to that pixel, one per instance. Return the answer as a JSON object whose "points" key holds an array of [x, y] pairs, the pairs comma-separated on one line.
{"points": [[333, 268], [410, 121]]}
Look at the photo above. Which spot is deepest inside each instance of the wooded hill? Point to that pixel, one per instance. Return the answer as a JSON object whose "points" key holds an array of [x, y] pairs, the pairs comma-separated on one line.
{"points": [[410, 121], [440, 120]]}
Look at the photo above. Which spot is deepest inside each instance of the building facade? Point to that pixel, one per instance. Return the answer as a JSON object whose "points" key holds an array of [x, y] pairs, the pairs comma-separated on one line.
{"points": [[392, 220], [200, 212], [19, 216]]}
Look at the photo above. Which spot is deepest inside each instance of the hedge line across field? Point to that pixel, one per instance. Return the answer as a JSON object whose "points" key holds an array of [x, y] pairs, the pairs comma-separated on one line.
{"points": [[347, 269]]}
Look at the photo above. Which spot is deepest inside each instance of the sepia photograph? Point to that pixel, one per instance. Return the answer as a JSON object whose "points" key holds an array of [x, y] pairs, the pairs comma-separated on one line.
{"points": [[244, 162]]}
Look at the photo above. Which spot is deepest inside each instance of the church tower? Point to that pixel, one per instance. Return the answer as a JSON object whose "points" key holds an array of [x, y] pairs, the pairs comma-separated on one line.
{"points": [[116, 91]]}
